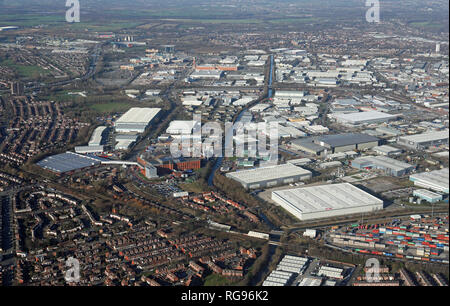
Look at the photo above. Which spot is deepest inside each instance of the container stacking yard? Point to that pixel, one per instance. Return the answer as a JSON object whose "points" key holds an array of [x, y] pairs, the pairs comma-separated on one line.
{"points": [[326, 201]]}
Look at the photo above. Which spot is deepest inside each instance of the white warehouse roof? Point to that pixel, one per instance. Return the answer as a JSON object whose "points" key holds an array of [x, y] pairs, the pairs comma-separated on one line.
{"points": [[362, 117], [96, 137], [267, 173], [435, 180], [326, 201], [182, 126], [138, 115], [426, 137]]}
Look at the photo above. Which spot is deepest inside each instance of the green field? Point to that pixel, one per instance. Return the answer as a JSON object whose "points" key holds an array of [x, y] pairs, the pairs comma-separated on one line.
{"points": [[32, 72], [106, 27], [294, 20], [217, 280], [59, 21], [111, 107], [215, 21], [430, 25], [30, 20]]}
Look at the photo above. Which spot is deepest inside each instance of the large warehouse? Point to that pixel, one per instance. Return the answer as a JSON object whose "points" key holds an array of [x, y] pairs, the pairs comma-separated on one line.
{"points": [[68, 162], [270, 176], [389, 165], [289, 94], [425, 140], [329, 144], [363, 117], [97, 138], [326, 201], [136, 120], [435, 180], [347, 142]]}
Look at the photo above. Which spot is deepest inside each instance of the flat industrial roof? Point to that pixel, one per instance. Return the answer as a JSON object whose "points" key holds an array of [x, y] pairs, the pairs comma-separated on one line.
{"points": [[437, 177], [426, 137], [308, 144], [383, 161], [97, 135], [348, 101], [267, 173], [427, 193], [364, 116], [386, 149], [182, 126], [298, 93], [67, 162], [326, 197], [299, 161], [89, 149], [340, 140], [139, 115], [310, 282]]}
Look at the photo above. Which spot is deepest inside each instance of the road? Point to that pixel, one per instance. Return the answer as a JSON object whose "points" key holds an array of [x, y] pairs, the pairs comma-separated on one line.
{"points": [[7, 257], [312, 265], [269, 90], [91, 71]]}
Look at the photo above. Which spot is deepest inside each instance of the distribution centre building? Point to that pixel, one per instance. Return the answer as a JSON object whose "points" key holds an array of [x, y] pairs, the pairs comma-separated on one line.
{"points": [[330, 144], [363, 117], [387, 150], [425, 140], [347, 142], [68, 162], [326, 201], [389, 165], [89, 149], [136, 120], [270, 176], [436, 180], [427, 195], [97, 136]]}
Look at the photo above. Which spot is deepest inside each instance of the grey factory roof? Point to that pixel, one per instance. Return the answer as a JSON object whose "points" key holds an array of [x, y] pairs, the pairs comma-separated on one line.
{"points": [[326, 197], [340, 140], [267, 173], [383, 161], [426, 137], [348, 101], [386, 149], [66, 162]]}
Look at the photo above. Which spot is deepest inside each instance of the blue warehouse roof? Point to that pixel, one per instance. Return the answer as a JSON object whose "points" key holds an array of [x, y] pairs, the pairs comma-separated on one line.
{"points": [[67, 162]]}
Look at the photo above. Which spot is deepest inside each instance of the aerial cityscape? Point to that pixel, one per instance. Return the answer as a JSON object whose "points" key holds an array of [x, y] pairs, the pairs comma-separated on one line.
{"points": [[248, 143]]}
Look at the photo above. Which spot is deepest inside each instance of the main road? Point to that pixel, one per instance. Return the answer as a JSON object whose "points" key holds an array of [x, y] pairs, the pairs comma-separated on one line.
{"points": [[269, 91]]}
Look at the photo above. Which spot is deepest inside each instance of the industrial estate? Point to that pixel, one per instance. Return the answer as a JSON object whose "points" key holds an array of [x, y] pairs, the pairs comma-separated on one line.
{"points": [[91, 114]]}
